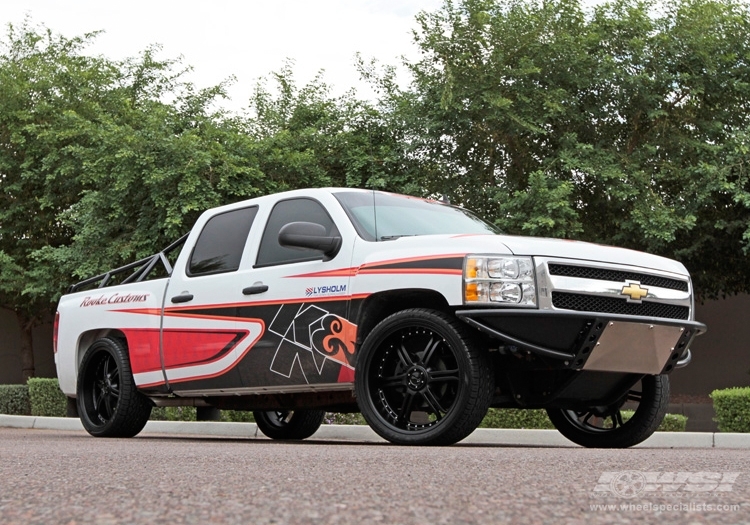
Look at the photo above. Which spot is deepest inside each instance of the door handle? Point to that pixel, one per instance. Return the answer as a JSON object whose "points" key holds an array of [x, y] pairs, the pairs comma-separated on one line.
{"points": [[183, 298], [256, 288]]}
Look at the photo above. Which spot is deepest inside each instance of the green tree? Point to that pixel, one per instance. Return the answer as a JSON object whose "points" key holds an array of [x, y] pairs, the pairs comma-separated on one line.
{"points": [[45, 85], [625, 124], [306, 137], [97, 169], [103, 162]]}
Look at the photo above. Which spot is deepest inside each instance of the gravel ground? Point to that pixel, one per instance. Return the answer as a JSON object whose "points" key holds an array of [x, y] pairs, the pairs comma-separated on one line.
{"points": [[71, 478]]}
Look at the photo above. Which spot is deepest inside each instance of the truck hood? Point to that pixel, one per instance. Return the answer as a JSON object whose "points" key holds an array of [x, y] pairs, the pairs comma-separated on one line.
{"points": [[533, 246], [568, 249]]}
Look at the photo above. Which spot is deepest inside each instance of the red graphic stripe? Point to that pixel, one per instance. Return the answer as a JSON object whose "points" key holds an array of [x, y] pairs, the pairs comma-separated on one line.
{"points": [[372, 267], [191, 347], [346, 375], [182, 347], [413, 259], [143, 345], [144, 311], [340, 272], [183, 311], [221, 372], [415, 271]]}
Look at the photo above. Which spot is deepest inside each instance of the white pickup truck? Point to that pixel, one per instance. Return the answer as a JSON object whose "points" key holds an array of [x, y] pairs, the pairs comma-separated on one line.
{"points": [[413, 312]]}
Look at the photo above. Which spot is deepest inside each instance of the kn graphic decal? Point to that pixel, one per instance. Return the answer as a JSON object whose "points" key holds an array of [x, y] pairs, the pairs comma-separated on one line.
{"points": [[309, 333]]}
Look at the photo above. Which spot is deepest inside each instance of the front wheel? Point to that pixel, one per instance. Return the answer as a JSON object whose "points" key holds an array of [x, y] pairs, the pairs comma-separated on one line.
{"points": [[289, 424], [606, 426], [421, 380], [109, 403]]}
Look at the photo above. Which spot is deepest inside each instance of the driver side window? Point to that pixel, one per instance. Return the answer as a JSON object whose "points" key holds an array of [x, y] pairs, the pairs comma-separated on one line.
{"points": [[270, 252]]}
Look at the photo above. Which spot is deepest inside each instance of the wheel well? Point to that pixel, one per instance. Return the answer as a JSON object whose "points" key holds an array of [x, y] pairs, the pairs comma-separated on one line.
{"points": [[380, 305], [89, 338]]}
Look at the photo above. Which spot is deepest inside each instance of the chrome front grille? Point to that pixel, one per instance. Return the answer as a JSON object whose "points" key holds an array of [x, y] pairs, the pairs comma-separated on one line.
{"points": [[579, 286], [604, 274], [608, 305]]}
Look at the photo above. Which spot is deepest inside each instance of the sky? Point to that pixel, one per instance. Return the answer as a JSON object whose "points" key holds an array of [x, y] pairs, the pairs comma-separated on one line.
{"points": [[245, 39]]}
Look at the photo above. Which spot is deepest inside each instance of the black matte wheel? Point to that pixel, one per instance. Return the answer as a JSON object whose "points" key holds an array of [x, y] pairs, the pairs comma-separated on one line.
{"points": [[605, 426], [289, 424], [109, 403], [420, 380]]}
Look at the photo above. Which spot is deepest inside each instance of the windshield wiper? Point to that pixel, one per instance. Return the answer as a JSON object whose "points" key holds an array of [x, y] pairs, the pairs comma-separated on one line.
{"points": [[392, 237]]}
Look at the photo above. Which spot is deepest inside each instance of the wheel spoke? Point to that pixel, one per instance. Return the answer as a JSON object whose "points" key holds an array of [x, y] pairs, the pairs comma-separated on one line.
{"points": [[109, 407], [392, 381], [404, 413], [429, 351], [437, 409], [106, 370], [99, 398], [617, 419], [439, 376], [403, 355], [588, 415]]}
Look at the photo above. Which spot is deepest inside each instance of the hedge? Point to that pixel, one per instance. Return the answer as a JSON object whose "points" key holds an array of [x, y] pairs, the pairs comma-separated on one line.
{"points": [[671, 422], [173, 414], [537, 419], [46, 398], [516, 418], [732, 407], [14, 400], [237, 416]]}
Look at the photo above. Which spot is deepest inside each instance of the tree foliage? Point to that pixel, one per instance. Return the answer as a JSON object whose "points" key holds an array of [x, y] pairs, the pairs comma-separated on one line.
{"points": [[103, 162], [97, 168], [305, 137], [626, 124]]}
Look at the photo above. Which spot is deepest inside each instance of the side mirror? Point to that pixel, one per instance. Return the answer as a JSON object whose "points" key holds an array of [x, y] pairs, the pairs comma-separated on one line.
{"points": [[309, 235]]}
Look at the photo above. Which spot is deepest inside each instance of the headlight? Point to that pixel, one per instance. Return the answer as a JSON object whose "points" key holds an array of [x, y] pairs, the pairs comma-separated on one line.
{"points": [[499, 280]]}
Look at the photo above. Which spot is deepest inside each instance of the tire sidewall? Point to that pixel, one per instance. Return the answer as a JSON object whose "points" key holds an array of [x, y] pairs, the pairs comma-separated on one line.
{"points": [[303, 424], [643, 423], [431, 320], [126, 420]]}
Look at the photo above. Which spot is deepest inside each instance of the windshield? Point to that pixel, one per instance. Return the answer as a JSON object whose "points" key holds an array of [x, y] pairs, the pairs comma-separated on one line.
{"points": [[381, 216]]}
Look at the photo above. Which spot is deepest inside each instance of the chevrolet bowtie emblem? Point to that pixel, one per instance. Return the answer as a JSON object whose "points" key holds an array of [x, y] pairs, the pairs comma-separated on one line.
{"points": [[634, 291]]}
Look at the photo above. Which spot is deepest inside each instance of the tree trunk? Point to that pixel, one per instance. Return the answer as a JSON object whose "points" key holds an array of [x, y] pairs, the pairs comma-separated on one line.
{"points": [[25, 326]]}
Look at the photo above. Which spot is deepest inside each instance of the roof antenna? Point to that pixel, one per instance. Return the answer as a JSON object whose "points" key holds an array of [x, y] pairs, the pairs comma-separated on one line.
{"points": [[444, 199]]}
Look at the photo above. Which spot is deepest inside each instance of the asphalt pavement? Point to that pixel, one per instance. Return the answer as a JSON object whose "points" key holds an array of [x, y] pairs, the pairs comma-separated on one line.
{"points": [[67, 477], [363, 434]]}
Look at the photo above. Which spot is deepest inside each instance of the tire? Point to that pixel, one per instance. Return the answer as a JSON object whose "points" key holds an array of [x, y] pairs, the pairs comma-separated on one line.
{"points": [[289, 424], [421, 380], [109, 403], [604, 427]]}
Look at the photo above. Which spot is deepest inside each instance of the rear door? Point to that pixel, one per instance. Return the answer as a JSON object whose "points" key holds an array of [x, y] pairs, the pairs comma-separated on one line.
{"points": [[203, 339]]}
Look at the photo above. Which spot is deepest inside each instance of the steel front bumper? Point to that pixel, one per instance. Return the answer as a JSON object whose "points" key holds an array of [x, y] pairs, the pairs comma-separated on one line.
{"points": [[590, 341]]}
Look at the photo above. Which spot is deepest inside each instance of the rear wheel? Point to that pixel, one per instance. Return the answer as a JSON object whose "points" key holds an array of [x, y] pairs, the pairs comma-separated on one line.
{"points": [[109, 403], [289, 424], [420, 380], [606, 426]]}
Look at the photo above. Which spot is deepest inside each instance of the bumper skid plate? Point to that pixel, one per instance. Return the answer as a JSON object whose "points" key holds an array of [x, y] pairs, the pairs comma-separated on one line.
{"points": [[639, 348]]}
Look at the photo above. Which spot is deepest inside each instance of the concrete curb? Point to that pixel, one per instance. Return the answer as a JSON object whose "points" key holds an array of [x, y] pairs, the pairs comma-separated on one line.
{"points": [[363, 434]]}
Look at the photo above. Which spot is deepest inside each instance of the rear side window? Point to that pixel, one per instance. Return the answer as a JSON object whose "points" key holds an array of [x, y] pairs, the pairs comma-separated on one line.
{"points": [[292, 210], [220, 244]]}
